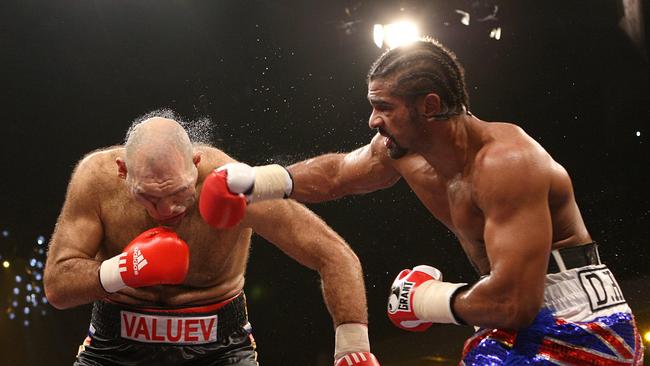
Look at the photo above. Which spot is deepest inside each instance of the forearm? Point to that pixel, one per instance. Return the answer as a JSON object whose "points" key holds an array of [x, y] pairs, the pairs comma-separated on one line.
{"points": [[490, 304], [316, 180], [343, 289], [72, 282]]}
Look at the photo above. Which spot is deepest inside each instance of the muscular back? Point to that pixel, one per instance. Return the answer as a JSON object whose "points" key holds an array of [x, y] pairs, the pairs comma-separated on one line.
{"points": [[217, 257]]}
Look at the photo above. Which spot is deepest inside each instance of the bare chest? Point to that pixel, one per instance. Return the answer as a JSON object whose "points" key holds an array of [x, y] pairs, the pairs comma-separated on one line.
{"points": [[214, 254], [451, 202]]}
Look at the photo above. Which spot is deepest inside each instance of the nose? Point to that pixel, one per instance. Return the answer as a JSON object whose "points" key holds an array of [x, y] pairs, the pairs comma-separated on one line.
{"points": [[168, 208], [374, 121]]}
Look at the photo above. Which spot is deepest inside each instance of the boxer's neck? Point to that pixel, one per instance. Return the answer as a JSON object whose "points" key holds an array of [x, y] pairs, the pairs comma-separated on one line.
{"points": [[450, 145]]}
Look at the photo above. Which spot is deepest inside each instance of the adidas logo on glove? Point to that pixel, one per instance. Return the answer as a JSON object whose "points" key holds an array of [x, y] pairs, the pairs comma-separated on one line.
{"points": [[139, 261]]}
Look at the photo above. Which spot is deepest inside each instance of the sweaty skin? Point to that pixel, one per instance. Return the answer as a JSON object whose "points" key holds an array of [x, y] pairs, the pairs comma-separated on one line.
{"points": [[503, 196], [100, 217]]}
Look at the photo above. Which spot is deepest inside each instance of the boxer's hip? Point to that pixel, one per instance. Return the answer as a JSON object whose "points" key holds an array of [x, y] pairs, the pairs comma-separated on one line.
{"points": [[175, 326], [584, 320], [121, 334]]}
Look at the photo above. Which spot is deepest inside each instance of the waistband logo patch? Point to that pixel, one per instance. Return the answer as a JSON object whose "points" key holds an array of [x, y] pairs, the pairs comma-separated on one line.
{"points": [[168, 329], [601, 288]]}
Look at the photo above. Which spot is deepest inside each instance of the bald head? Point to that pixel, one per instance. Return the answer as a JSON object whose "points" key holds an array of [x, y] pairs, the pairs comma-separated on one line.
{"points": [[158, 143]]}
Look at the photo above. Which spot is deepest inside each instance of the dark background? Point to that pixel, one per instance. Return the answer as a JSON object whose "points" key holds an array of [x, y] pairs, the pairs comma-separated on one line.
{"points": [[281, 81]]}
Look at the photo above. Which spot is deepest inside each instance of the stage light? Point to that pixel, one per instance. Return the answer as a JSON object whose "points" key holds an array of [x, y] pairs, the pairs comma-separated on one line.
{"points": [[16, 291], [496, 33], [5, 233], [378, 35], [40, 240], [646, 336], [18, 279], [5, 264], [395, 34]]}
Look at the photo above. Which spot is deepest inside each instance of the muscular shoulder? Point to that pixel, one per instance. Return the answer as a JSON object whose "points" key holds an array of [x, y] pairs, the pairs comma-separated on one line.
{"points": [[510, 147], [98, 166], [211, 158], [93, 176], [511, 163]]}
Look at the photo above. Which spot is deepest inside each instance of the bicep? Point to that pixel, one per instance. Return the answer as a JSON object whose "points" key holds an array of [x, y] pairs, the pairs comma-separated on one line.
{"points": [[78, 231], [331, 176], [518, 242], [365, 169], [518, 230]]}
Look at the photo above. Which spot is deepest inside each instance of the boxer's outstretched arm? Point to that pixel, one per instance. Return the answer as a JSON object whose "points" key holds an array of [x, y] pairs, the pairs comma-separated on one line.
{"points": [[305, 237], [331, 176], [71, 271], [512, 192]]}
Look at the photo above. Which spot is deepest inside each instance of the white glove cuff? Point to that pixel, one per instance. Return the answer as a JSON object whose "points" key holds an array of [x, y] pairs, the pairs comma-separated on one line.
{"points": [[351, 337], [271, 182], [432, 301], [241, 177], [109, 273]]}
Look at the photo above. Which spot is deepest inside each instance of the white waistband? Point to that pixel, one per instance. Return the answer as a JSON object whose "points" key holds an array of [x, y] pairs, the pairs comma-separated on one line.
{"points": [[581, 294]]}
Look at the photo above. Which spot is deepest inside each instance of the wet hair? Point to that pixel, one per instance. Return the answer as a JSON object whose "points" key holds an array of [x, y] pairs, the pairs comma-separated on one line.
{"points": [[200, 131], [423, 67]]}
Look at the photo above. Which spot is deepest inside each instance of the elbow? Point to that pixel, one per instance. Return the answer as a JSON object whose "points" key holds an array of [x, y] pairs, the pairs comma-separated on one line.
{"points": [[344, 257], [518, 314], [54, 293]]}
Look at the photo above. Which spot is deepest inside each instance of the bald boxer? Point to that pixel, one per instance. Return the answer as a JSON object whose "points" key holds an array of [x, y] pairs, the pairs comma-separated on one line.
{"points": [[543, 297], [166, 287]]}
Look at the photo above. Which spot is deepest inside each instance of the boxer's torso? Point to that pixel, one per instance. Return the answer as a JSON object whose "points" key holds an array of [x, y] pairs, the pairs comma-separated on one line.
{"points": [[217, 257], [453, 201]]}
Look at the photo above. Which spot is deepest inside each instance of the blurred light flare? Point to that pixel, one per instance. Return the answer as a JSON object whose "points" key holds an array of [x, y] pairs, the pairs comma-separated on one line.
{"points": [[465, 16], [6, 264], [646, 336], [496, 33], [395, 34]]}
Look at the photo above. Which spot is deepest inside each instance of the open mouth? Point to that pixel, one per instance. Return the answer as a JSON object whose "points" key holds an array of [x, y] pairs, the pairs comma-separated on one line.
{"points": [[389, 142], [173, 219]]}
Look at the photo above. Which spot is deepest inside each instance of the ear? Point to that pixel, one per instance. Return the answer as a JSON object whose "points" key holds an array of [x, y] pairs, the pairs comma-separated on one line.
{"points": [[121, 167], [431, 105], [196, 158]]}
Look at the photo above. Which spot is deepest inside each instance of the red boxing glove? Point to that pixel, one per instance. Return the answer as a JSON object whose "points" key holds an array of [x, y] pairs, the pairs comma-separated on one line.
{"points": [[400, 301], [357, 359], [155, 257], [218, 206]]}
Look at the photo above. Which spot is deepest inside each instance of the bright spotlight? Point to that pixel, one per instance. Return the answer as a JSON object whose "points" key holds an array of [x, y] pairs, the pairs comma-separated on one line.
{"points": [[646, 336], [378, 35], [395, 34], [496, 33], [5, 264]]}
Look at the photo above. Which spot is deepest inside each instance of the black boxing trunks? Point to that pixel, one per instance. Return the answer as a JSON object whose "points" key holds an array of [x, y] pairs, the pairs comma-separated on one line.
{"points": [[214, 334]]}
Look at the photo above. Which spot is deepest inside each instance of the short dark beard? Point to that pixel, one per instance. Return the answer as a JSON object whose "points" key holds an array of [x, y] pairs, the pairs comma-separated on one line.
{"points": [[395, 152]]}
